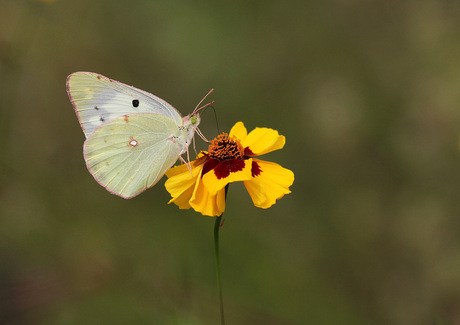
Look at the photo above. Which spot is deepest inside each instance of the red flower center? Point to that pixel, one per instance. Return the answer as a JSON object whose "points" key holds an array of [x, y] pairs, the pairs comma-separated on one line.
{"points": [[226, 155]]}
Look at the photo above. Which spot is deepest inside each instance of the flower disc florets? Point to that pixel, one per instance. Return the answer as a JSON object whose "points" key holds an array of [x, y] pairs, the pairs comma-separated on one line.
{"points": [[224, 148], [225, 156]]}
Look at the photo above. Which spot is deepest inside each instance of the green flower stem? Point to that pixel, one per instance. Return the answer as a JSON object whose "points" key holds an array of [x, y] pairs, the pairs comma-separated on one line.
{"points": [[219, 286], [217, 225]]}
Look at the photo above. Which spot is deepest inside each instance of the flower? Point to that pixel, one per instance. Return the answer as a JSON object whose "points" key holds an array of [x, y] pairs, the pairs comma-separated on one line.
{"points": [[231, 158]]}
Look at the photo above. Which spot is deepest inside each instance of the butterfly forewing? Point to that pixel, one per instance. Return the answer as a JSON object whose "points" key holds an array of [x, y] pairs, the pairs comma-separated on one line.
{"points": [[98, 99], [132, 152]]}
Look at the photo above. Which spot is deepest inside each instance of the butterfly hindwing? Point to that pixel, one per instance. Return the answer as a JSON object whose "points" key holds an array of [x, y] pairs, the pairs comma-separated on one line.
{"points": [[131, 153], [98, 99]]}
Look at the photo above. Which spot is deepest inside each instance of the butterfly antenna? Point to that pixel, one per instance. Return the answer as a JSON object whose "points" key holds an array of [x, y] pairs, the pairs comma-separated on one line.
{"points": [[198, 108], [215, 117], [198, 131]]}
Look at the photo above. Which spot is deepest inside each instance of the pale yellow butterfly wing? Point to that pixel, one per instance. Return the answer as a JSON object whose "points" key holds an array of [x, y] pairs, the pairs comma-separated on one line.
{"points": [[98, 99], [131, 153]]}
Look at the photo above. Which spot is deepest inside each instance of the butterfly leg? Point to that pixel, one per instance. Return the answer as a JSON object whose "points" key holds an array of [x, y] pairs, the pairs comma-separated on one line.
{"points": [[198, 131], [194, 147], [189, 166]]}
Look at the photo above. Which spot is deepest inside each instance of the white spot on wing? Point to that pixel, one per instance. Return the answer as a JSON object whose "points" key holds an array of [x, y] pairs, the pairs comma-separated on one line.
{"points": [[132, 142]]}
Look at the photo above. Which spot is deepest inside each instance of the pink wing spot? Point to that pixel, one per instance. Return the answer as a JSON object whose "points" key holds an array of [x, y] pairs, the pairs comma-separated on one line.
{"points": [[126, 118], [99, 77], [132, 142]]}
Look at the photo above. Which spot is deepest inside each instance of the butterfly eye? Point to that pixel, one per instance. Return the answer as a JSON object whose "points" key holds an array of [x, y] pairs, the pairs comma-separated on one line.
{"points": [[193, 119]]}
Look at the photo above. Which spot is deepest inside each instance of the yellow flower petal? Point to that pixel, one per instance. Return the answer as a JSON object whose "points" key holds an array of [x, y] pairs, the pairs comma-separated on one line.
{"points": [[270, 185], [239, 131], [204, 202], [181, 182], [181, 188], [213, 184], [176, 170], [183, 168], [263, 140], [182, 201]]}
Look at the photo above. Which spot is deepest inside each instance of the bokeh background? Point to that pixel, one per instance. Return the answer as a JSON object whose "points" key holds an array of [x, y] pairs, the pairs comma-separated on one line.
{"points": [[367, 94]]}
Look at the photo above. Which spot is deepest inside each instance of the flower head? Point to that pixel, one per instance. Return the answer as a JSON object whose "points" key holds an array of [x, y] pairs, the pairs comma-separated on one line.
{"points": [[230, 158]]}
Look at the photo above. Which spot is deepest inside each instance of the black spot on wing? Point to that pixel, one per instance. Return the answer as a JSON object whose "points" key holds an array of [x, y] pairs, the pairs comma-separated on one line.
{"points": [[135, 102], [102, 119], [96, 108]]}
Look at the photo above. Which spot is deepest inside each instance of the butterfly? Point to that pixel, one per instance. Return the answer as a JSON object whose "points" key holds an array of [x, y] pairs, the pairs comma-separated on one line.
{"points": [[132, 136]]}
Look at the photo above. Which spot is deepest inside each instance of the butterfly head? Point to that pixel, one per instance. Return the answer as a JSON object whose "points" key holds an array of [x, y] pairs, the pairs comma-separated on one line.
{"points": [[192, 121], [195, 119], [190, 125]]}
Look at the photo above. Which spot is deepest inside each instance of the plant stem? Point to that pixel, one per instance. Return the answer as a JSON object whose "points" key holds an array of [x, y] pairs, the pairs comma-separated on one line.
{"points": [[219, 286]]}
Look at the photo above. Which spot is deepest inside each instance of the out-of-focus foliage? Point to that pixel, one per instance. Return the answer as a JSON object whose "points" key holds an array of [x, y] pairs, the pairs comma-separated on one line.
{"points": [[367, 94]]}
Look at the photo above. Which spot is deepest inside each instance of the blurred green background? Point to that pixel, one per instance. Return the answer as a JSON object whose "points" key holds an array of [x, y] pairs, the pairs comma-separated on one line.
{"points": [[367, 94]]}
